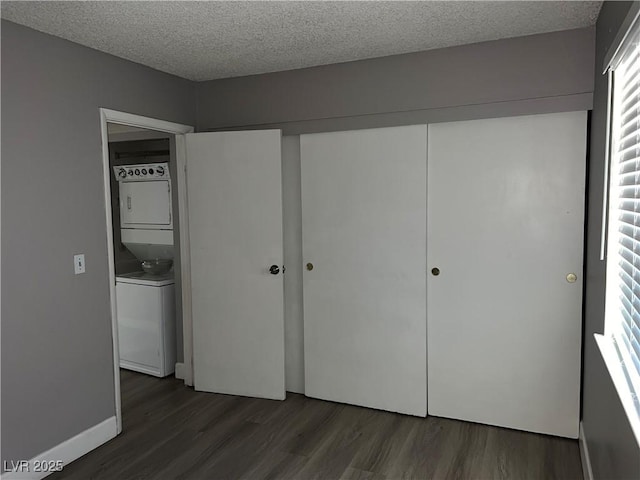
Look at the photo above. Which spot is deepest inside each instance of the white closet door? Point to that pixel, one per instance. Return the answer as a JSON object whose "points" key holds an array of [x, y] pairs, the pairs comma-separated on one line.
{"points": [[506, 221], [364, 232], [235, 230]]}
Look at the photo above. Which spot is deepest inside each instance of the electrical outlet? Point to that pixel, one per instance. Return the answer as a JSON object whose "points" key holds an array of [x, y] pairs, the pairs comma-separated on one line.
{"points": [[78, 263]]}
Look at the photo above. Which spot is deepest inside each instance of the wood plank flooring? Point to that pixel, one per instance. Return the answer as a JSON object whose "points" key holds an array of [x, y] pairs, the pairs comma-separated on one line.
{"points": [[170, 431]]}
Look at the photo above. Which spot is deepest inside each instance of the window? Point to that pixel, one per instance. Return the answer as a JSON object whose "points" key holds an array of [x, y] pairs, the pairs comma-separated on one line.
{"points": [[621, 341]]}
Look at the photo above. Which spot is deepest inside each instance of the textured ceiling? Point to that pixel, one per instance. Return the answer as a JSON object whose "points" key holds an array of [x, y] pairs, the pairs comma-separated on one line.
{"points": [[207, 40]]}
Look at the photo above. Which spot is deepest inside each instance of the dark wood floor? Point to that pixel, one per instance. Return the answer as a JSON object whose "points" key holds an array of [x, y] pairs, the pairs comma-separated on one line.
{"points": [[170, 431]]}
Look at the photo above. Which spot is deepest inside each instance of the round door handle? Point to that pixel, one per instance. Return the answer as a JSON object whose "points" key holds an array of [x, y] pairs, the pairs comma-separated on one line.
{"points": [[309, 266], [572, 277], [274, 270], [435, 271]]}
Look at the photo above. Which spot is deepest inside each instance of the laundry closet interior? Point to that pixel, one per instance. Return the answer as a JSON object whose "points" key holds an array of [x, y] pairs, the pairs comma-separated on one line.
{"points": [[431, 269]]}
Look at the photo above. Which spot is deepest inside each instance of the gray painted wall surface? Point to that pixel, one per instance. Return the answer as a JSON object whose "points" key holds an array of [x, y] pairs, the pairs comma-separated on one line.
{"points": [[177, 260], [57, 364], [612, 447], [534, 74], [292, 246]]}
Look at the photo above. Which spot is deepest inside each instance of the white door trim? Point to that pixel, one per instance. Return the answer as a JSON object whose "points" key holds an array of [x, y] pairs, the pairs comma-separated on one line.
{"points": [[178, 130], [185, 260]]}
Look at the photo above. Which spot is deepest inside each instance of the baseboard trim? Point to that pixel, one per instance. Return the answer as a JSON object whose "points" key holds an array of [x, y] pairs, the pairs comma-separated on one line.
{"points": [[179, 372], [587, 473], [67, 451]]}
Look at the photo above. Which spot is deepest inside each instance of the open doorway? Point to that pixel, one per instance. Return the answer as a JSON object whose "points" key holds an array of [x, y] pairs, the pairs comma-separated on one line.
{"points": [[143, 169], [146, 239]]}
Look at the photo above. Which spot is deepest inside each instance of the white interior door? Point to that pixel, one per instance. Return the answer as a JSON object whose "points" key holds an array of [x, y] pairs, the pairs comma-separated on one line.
{"points": [[235, 230], [364, 232], [505, 223]]}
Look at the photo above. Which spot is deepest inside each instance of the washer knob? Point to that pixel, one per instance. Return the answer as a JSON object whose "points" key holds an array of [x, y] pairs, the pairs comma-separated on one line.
{"points": [[122, 173], [160, 170]]}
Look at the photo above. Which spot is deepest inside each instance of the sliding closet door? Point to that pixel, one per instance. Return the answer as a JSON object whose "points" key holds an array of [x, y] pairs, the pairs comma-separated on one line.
{"points": [[364, 234], [505, 244], [234, 186]]}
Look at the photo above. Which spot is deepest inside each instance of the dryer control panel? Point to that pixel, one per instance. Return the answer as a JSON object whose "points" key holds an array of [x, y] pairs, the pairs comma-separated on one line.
{"points": [[141, 173]]}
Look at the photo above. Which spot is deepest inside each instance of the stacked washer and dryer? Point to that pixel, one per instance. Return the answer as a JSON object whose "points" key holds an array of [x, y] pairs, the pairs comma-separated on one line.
{"points": [[146, 301]]}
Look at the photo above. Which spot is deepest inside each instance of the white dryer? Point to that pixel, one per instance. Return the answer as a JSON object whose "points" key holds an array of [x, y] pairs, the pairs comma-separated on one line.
{"points": [[145, 196]]}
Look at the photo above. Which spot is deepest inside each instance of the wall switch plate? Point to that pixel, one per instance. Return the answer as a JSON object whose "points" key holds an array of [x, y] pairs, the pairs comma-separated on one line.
{"points": [[78, 263]]}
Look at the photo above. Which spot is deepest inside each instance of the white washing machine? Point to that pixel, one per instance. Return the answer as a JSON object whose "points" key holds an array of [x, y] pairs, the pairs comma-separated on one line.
{"points": [[147, 322]]}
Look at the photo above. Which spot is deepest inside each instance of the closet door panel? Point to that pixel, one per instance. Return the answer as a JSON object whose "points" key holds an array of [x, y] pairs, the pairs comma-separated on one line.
{"points": [[364, 250], [506, 222], [234, 187]]}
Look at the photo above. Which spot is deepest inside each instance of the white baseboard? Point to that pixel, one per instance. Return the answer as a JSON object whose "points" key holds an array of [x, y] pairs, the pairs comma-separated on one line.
{"points": [[179, 371], [65, 452], [587, 473]]}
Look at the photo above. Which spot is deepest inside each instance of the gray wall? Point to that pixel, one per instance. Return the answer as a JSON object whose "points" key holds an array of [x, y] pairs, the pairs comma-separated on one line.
{"points": [[612, 447], [292, 246], [57, 364], [526, 75]]}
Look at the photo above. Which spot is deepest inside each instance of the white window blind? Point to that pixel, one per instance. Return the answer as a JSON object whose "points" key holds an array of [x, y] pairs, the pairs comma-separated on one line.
{"points": [[623, 258]]}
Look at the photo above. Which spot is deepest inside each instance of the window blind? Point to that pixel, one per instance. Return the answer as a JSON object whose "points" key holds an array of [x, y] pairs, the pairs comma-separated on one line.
{"points": [[623, 276]]}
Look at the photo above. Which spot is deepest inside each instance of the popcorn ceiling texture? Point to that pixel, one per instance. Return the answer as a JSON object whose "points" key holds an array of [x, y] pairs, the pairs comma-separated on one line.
{"points": [[209, 40]]}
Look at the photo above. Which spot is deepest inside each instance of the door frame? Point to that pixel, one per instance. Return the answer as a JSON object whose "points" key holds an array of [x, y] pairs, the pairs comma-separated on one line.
{"points": [[179, 130]]}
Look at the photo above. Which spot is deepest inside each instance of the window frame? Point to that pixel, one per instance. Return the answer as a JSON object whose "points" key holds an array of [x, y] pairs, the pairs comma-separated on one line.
{"points": [[626, 381]]}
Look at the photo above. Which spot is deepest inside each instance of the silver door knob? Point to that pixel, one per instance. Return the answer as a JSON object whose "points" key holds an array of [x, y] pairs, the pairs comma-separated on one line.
{"points": [[572, 277]]}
